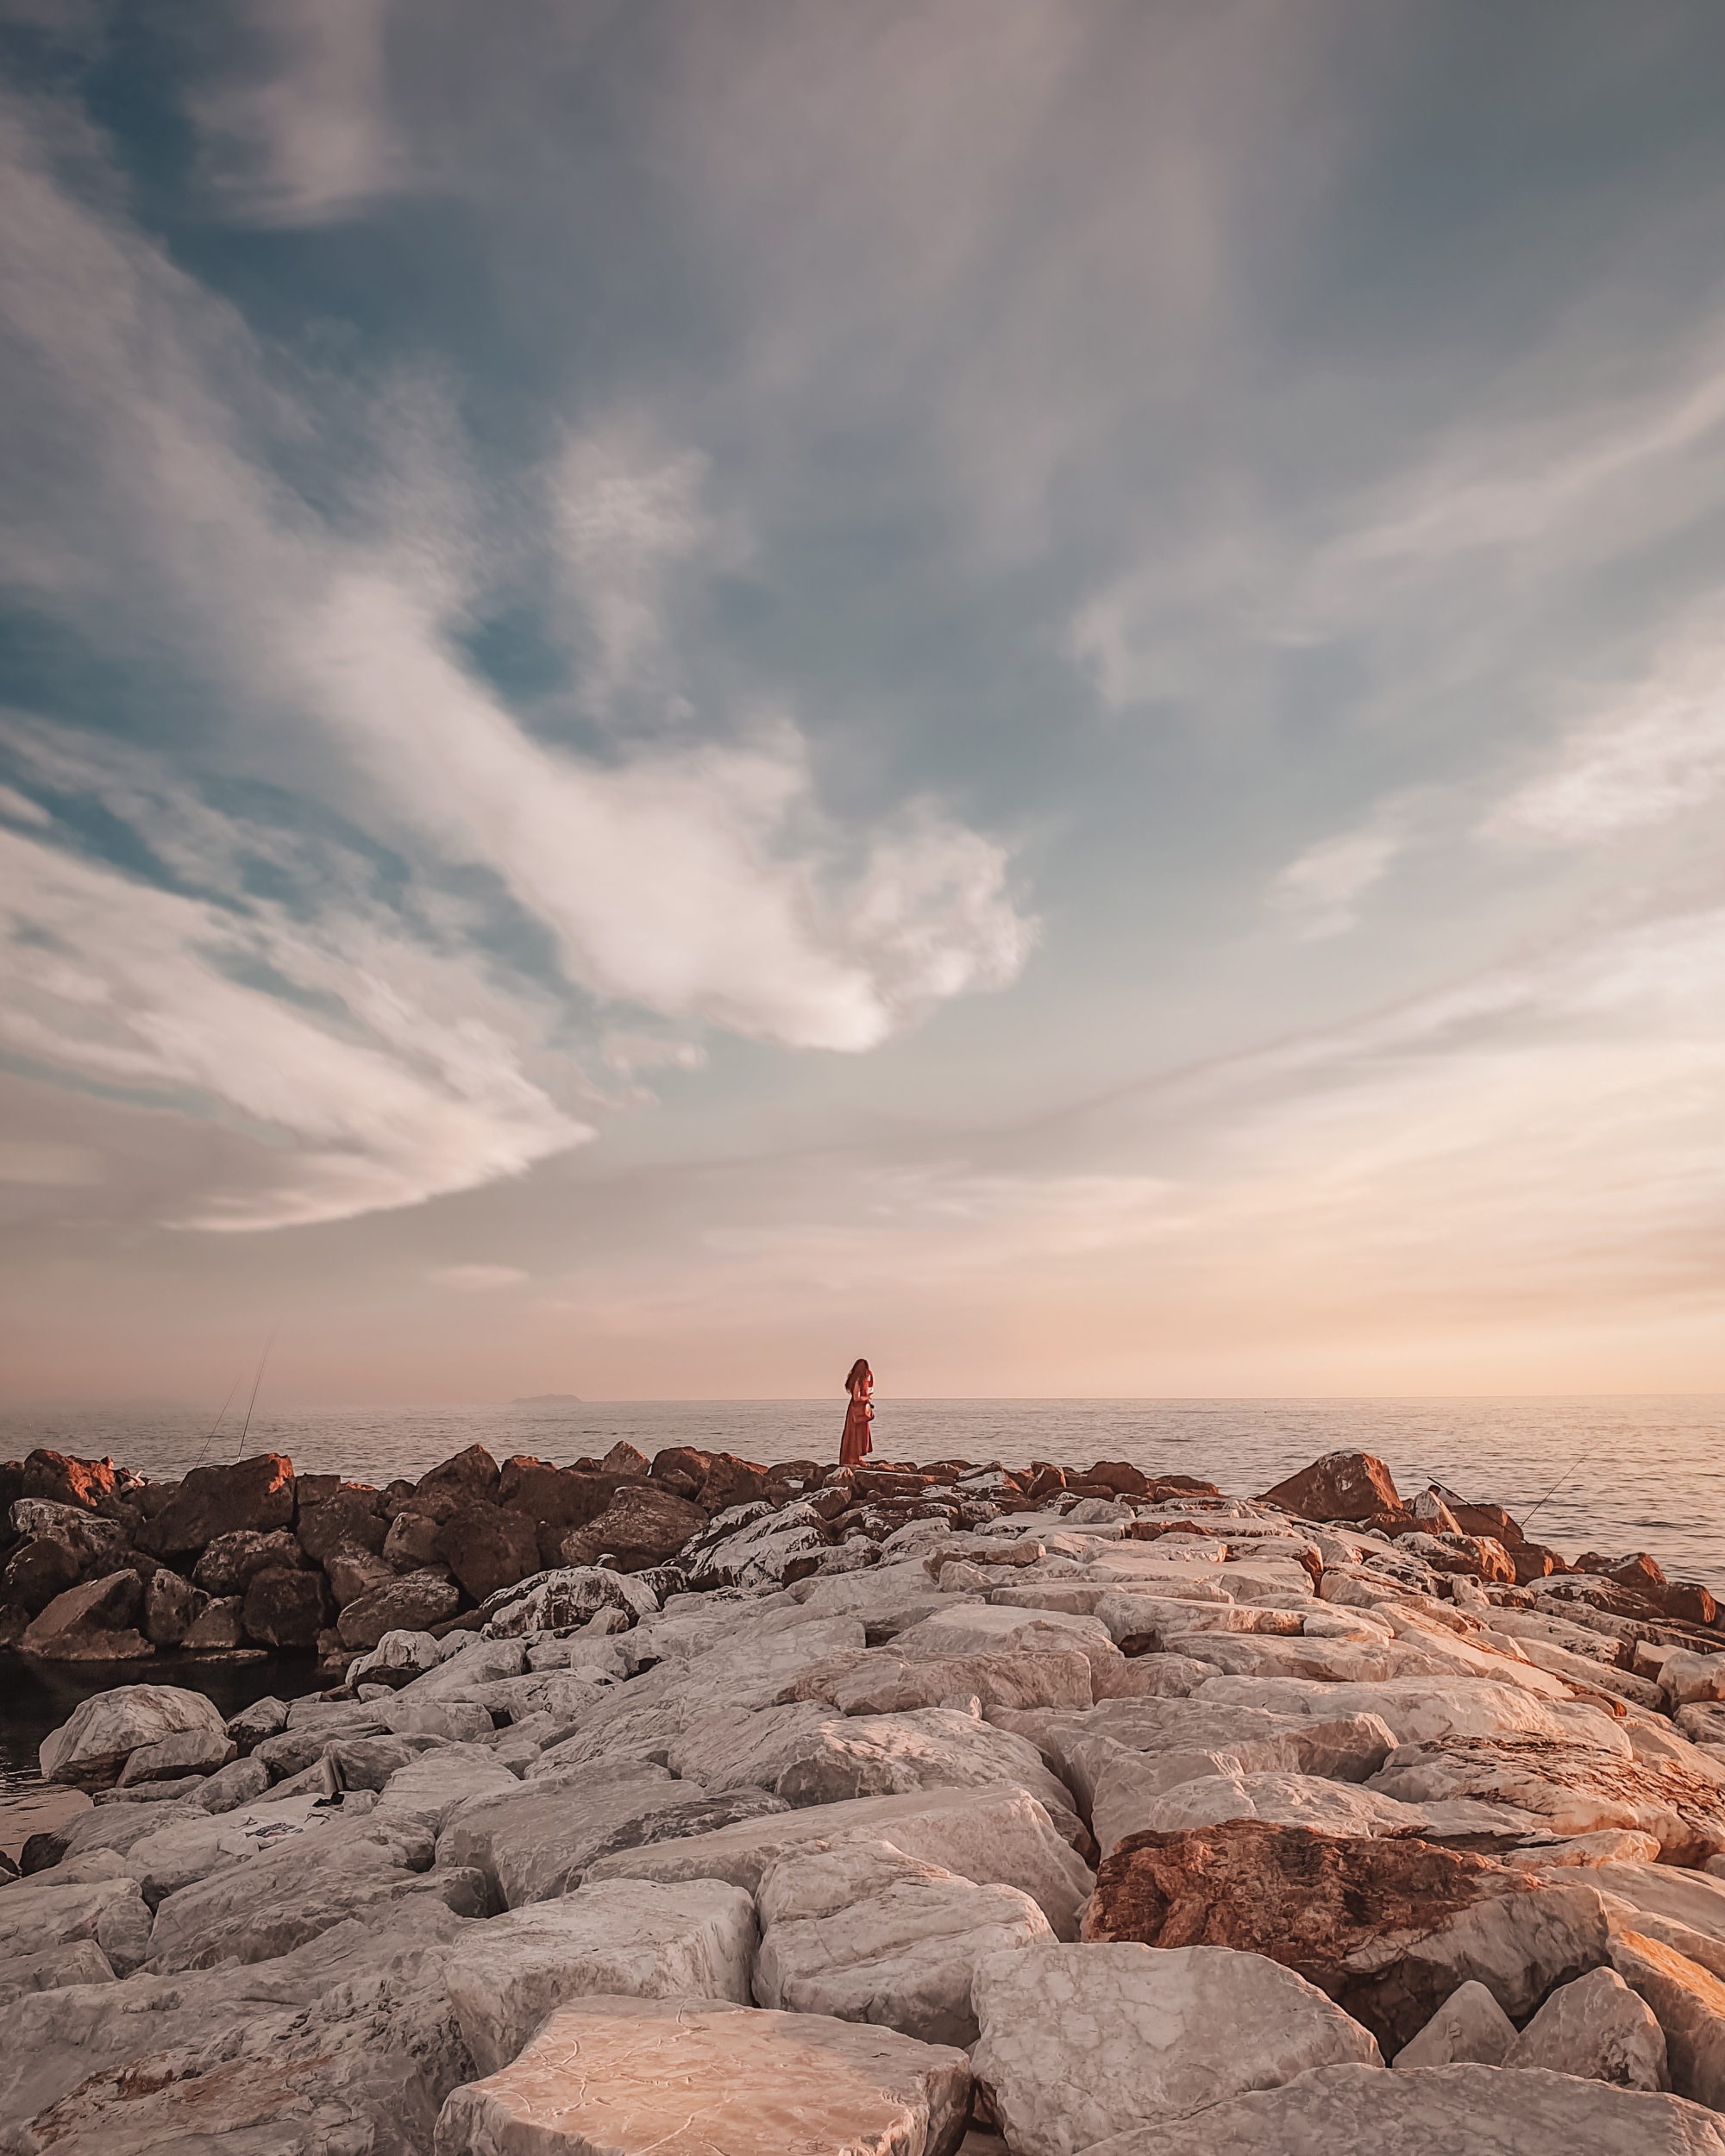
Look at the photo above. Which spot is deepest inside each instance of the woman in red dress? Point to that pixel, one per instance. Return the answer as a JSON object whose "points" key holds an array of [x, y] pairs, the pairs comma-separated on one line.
{"points": [[858, 1415]]}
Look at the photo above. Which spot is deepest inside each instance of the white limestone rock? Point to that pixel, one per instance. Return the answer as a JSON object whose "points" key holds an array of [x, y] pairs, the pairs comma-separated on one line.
{"points": [[857, 1929], [75, 1961], [994, 1836], [1461, 2110], [428, 1790], [1423, 1709], [1598, 2028], [644, 2078], [694, 1940], [884, 1683], [1690, 1897], [1689, 2003], [41, 1913], [1286, 1800], [1085, 2041], [536, 1838], [966, 1628], [1469, 2028], [187, 1751], [561, 1600], [90, 1749]]}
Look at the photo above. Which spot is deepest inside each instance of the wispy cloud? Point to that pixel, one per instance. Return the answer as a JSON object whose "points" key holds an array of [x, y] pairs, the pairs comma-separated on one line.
{"points": [[1320, 890], [477, 1279]]}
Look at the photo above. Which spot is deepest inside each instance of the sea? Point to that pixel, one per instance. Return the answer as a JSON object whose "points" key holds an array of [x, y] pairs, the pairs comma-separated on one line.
{"points": [[1612, 1473]]}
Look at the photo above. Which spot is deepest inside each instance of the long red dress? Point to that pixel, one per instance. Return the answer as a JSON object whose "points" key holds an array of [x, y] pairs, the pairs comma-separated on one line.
{"points": [[857, 1441]]}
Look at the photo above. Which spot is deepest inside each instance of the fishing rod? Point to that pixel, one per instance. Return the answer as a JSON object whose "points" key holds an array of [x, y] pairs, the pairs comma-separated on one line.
{"points": [[1562, 1479], [215, 1426], [256, 1382]]}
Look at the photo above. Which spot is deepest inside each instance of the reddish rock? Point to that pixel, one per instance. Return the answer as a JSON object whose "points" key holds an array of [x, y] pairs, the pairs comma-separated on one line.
{"points": [[1045, 1478], [411, 1543], [1534, 1561], [471, 1477], [38, 1570], [1489, 1519], [414, 1602], [78, 1624], [394, 1497], [1335, 1908], [1120, 1476], [232, 1562], [64, 1481], [1340, 1486], [486, 1547], [255, 1495], [624, 1458], [1163, 1487], [1478, 1556], [643, 1525], [315, 1490], [346, 1520], [286, 1609], [1687, 1602], [1639, 1574], [554, 1499], [732, 1481]]}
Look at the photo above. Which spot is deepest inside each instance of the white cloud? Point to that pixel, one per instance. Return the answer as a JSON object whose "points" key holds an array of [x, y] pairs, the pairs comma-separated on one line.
{"points": [[21, 809], [1661, 751], [477, 1279], [626, 1053], [1320, 891]]}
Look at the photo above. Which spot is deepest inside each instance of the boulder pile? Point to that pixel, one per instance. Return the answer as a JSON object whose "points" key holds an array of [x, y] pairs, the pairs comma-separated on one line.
{"points": [[725, 1808]]}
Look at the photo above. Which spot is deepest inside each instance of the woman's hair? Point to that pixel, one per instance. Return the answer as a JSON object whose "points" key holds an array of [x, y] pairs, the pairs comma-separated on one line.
{"points": [[859, 1370]]}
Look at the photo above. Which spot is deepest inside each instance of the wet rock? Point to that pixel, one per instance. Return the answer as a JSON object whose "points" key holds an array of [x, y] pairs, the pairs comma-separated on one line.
{"points": [[1469, 2028], [1434, 2111], [348, 1519], [487, 1546], [172, 1607], [1689, 2003], [1340, 1486], [471, 1477], [233, 1561], [1082, 2042], [409, 1603], [1596, 2028], [92, 1622], [186, 1751], [634, 2075], [62, 1480], [859, 1930], [1389, 1928], [998, 1836], [643, 1525], [217, 1628], [286, 1609], [412, 1542], [255, 1494], [37, 1572], [625, 1938]]}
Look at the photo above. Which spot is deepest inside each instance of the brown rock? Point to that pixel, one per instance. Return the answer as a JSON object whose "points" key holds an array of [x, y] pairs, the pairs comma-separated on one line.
{"points": [[1045, 1478], [1489, 1519], [623, 1459], [486, 1547], [172, 1606], [1340, 1486], [348, 1519], [681, 1469], [731, 1482], [1534, 1561], [1121, 1478], [232, 1562], [353, 1572], [1166, 1486], [1478, 1556], [64, 1481], [414, 1602], [642, 1526], [315, 1490], [38, 1570], [1687, 1602], [216, 1629], [1386, 1928], [556, 1499], [91, 1623], [409, 1545], [286, 1609], [255, 1495], [471, 1477]]}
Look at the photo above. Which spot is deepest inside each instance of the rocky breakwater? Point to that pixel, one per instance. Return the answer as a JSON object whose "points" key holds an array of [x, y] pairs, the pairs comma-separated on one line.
{"points": [[904, 1809]]}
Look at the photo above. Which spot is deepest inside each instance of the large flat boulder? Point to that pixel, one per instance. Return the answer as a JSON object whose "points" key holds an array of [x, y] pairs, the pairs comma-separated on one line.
{"points": [[1082, 2042], [40, 1914], [539, 1839], [1434, 2111], [625, 1937], [89, 1749], [632, 2076], [1577, 1789], [410, 1602], [644, 1524], [1386, 1928], [970, 1628], [883, 1683], [996, 1836], [859, 1930], [95, 1622]]}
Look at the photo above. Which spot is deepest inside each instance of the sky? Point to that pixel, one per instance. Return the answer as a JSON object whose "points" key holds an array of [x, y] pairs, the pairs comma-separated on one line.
{"points": [[1037, 691]]}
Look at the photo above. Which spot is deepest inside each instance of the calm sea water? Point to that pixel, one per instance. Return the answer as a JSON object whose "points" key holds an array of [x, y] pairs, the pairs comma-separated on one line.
{"points": [[1630, 1474]]}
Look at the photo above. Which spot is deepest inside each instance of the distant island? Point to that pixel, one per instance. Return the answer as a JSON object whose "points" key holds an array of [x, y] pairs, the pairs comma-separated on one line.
{"points": [[548, 1400]]}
